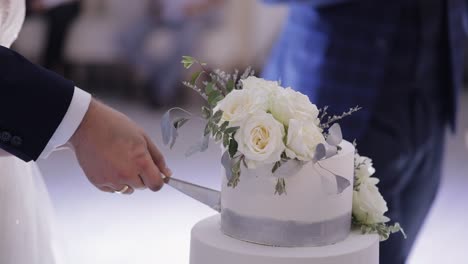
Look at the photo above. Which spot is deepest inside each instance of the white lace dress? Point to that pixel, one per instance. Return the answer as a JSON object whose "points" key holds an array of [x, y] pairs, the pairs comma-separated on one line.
{"points": [[26, 235]]}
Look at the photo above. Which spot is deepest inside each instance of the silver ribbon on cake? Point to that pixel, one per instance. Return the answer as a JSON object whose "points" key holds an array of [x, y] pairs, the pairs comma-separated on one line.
{"points": [[328, 150], [282, 233]]}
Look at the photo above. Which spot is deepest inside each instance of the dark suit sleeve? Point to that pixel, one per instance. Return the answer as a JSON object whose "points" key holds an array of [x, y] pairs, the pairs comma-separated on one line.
{"points": [[33, 102]]}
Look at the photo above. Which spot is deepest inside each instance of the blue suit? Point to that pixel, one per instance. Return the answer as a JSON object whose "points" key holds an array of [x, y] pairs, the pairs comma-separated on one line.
{"points": [[33, 102], [402, 62]]}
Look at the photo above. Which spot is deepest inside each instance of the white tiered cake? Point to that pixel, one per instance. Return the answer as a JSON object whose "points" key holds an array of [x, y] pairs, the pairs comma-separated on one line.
{"points": [[307, 225], [292, 187]]}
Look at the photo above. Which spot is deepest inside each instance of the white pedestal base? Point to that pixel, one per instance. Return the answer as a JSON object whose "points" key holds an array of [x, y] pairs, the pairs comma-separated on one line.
{"points": [[210, 246]]}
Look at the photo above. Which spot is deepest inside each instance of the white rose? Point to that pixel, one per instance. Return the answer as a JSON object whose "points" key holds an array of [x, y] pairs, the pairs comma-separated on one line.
{"points": [[289, 104], [369, 206], [364, 168], [239, 104], [303, 137], [261, 86], [260, 139]]}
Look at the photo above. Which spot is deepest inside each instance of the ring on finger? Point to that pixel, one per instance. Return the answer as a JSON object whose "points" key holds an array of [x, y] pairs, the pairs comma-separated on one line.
{"points": [[123, 190]]}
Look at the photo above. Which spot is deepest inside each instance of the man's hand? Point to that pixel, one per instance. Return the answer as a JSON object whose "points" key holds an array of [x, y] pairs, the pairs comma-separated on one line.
{"points": [[115, 152]]}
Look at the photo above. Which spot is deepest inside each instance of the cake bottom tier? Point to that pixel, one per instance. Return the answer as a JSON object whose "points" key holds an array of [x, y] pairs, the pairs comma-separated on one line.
{"points": [[210, 246]]}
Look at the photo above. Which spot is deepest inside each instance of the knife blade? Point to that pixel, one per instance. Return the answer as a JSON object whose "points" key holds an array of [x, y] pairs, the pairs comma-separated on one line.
{"points": [[207, 196]]}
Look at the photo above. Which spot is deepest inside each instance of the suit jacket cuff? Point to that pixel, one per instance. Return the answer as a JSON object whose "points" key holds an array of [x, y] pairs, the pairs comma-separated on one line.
{"points": [[76, 111]]}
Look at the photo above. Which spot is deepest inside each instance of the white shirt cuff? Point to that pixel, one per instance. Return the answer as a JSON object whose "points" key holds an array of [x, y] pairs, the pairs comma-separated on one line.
{"points": [[76, 111]]}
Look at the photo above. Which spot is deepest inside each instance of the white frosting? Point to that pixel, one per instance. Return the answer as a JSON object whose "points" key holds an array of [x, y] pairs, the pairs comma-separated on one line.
{"points": [[210, 246], [307, 198]]}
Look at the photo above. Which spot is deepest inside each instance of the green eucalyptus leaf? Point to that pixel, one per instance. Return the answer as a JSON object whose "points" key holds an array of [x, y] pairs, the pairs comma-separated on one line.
{"points": [[235, 178], [230, 86], [209, 88], [231, 130], [195, 77], [214, 129], [213, 126], [218, 136], [233, 146], [217, 116], [276, 166], [206, 112], [280, 187], [213, 133], [224, 126], [236, 166], [187, 61], [213, 92], [217, 99], [226, 140], [214, 97]]}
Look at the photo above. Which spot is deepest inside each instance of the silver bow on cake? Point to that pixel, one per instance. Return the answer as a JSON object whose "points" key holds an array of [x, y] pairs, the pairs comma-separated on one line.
{"points": [[328, 150]]}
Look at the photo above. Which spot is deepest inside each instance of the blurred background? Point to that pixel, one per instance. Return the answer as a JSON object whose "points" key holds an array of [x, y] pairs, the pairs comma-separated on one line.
{"points": [[133, 50], [127, 53]]}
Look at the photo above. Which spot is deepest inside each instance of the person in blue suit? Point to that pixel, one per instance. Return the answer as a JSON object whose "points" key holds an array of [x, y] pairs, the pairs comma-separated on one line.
{"points": [[402, 62]]}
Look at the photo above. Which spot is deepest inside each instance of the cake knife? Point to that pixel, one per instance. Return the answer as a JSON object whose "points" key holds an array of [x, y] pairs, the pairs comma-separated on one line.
{"points": [[207, 196]]}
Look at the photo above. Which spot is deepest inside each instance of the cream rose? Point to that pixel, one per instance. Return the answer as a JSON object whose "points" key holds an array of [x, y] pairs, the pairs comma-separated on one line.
{"points": [[260, 139], [261, 86], [289, 104], [303, 137], [364, 168], [239, 104], [369, 206]]}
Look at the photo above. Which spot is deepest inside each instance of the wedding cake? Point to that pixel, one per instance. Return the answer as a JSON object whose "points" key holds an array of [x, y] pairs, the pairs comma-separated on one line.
{"points": [[307, 215], [293, 190]]}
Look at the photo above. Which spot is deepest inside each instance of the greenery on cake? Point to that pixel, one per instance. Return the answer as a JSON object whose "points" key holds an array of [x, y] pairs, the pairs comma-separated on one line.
{"points": [[369, 206]]}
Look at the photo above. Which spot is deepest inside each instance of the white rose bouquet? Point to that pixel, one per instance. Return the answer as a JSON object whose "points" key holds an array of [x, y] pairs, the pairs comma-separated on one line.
{"points": [[260, 123], [369, 205]]}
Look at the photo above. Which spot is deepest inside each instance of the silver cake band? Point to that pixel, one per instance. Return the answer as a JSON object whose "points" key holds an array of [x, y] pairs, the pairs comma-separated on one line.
{"points": [[284, 233]]}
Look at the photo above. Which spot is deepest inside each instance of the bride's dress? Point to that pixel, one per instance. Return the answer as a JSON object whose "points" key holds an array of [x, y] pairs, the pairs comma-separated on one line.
{"points": [[26, 235]]}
